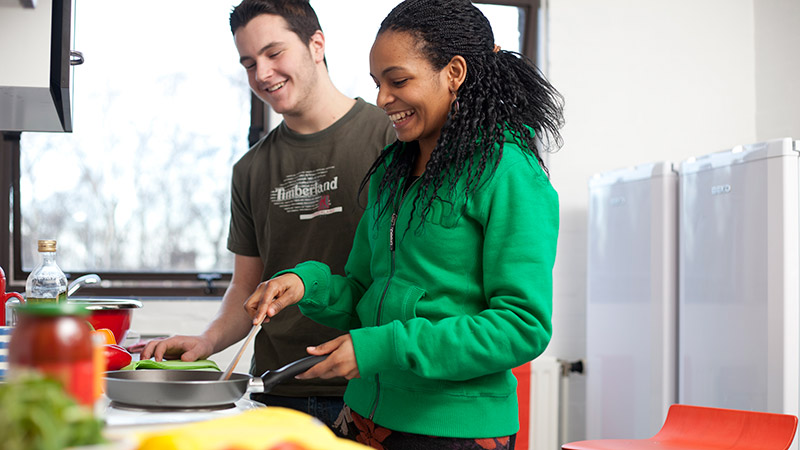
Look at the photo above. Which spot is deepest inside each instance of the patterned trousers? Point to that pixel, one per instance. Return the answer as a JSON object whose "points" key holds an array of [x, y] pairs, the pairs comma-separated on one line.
{"points": [[352, 426]]}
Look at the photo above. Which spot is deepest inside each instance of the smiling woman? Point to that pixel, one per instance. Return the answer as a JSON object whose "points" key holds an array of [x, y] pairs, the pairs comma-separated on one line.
{"points": [[139, 191]]}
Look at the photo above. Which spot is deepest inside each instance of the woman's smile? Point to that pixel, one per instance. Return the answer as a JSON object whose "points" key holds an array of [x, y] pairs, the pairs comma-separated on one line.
{"points": [[400, 118]]}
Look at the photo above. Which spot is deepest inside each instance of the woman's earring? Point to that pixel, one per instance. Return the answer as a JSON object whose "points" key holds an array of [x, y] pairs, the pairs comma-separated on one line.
{"points": [[455, 108]]}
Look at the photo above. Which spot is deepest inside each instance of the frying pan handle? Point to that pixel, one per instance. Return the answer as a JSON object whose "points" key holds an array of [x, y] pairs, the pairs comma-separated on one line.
{"points": [[270, 378]]}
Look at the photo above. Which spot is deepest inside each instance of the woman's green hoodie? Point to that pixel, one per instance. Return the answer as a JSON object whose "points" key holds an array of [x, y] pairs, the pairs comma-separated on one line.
{"points": [[440, 315]]}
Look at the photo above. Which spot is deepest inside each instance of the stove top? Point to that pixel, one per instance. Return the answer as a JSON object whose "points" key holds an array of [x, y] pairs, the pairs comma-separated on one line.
{"points": [[114, 405], [121, 415]]}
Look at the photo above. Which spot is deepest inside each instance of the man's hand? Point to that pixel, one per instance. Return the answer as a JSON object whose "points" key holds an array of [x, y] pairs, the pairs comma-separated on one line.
{"points": [[187, 348]]}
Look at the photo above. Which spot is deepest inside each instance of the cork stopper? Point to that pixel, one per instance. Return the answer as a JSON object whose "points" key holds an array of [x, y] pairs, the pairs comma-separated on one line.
{"points": [[47, 245]]}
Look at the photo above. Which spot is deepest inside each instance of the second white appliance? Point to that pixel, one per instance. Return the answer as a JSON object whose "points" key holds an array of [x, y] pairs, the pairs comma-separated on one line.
{"points": [[739, 271]]}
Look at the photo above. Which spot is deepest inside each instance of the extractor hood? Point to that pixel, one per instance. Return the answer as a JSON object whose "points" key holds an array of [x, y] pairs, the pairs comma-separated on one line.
{"points": [[35, 78]]}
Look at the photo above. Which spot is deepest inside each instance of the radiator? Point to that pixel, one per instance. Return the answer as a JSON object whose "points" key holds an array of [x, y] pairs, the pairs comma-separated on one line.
{"points": [[541, 387]]}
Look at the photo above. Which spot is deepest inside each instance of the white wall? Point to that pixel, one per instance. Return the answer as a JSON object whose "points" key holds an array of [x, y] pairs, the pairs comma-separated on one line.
{"points": [[777, 68], [25, 61], [648, 81]]}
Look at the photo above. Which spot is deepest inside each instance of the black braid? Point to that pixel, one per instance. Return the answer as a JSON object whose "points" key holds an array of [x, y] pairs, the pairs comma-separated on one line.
{"points": [[503, 91]]}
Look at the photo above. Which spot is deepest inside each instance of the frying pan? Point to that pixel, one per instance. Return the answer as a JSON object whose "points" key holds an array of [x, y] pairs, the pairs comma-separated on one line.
{"points": [[167, 388]]}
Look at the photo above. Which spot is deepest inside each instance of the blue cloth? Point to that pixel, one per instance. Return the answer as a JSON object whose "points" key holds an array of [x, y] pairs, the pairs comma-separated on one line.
{"points": [[326, 409]]}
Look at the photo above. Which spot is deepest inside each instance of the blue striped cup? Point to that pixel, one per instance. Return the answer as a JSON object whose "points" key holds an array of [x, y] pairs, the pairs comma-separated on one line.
{"points": [[5, 338]]}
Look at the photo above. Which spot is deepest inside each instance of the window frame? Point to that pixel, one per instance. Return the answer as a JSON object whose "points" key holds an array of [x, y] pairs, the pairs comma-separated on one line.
{"points": [[164, 284], [530, 32]]}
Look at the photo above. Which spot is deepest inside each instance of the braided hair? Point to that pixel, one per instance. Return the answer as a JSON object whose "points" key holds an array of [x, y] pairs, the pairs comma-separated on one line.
{"points": [[503, 92]]}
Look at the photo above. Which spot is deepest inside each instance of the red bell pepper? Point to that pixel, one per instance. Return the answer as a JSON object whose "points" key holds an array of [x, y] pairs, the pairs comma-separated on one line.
{"points": [[116, 357]]}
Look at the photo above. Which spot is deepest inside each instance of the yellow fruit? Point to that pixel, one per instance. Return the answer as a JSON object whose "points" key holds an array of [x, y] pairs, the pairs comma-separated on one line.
{"points": [[256, 429]]}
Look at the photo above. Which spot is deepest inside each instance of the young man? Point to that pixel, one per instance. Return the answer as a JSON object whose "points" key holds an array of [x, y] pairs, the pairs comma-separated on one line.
{"points": [[294, 194]]}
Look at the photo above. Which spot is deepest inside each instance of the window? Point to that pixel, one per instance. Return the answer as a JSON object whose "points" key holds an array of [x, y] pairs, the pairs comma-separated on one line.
{"points": [[139, 192], [142, 183]]}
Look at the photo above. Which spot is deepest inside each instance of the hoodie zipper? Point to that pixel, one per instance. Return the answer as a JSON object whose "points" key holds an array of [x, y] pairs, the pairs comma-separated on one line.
{"points": [[392, 246]]}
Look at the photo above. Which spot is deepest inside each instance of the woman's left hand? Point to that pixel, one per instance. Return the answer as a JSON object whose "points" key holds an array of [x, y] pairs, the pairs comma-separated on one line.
{"points": [[341, 360]]}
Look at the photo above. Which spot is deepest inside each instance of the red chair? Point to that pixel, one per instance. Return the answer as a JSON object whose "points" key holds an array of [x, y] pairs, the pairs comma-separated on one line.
{"points": [[701, 428]]}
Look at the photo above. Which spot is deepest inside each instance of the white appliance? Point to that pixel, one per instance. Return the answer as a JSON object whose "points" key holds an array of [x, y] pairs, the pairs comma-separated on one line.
{"points": [[739, 344], [631, 301]]}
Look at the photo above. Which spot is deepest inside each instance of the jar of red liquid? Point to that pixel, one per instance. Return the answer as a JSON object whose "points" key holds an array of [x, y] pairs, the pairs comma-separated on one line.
{"points": [[55, 339]]}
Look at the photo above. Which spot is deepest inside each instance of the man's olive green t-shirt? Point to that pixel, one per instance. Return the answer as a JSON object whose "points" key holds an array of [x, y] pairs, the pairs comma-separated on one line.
{"points": [[294, 198]]}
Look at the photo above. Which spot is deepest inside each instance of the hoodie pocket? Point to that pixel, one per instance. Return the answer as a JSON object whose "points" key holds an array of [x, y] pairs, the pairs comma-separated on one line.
{"points": [[398, 301]]}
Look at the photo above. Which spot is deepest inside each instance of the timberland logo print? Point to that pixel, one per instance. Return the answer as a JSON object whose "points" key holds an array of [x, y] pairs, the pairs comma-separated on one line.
{"points": [[307, 193]]}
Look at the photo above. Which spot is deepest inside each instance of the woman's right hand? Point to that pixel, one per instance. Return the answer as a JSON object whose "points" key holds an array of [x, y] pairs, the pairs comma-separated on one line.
{"points": [[271, 296]]}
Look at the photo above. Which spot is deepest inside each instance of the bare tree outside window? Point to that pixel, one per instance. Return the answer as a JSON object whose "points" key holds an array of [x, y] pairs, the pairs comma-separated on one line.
{"points": [[161, 113]]}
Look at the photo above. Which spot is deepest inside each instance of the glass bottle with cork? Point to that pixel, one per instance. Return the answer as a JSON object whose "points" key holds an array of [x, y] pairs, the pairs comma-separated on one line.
{"points": [[47, 282]]}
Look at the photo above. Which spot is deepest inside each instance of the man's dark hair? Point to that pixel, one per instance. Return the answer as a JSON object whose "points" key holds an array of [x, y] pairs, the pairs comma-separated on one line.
{"points": [[298, 14]]}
